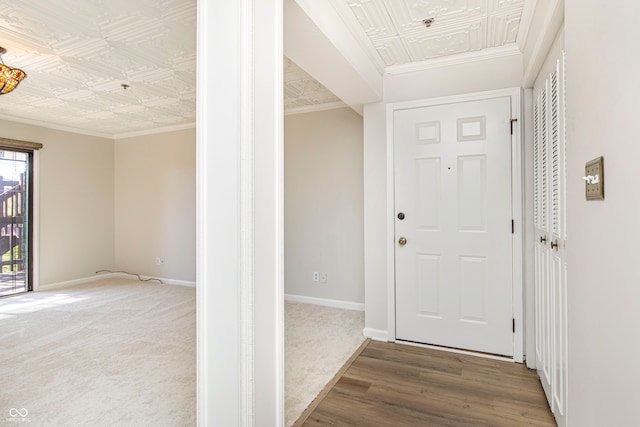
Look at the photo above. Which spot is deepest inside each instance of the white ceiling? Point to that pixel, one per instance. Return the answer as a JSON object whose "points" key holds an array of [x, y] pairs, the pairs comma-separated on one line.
{"points": [[78, 53], [396, 29], [303, 93]]}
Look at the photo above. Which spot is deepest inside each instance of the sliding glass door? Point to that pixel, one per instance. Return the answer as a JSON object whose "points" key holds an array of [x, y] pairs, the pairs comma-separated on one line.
{"points": [[15, 221]]}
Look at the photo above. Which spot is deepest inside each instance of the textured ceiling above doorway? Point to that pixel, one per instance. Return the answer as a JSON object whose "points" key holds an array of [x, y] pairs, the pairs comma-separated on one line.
{"points": [[398, 33]]}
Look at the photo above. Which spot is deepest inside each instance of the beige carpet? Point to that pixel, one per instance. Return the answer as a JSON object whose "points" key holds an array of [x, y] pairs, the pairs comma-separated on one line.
{"points": [[318, 341], [111, 353], [123, 353]]}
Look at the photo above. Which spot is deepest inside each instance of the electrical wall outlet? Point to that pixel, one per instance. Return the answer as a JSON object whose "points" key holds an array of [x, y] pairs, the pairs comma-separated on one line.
{"points": [[159, 260], [316, 276], [323, 277]]}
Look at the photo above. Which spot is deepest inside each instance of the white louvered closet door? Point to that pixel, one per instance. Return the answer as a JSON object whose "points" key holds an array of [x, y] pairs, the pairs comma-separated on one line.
{"points": [[551, 239]]}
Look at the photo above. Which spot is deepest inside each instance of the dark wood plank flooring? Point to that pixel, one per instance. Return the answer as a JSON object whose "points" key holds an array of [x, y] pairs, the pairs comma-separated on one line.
{"points": [[397, 385]]}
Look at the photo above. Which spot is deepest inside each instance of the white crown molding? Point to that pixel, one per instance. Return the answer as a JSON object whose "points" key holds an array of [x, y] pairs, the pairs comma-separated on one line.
{"points": [[315, 107], [54, 126], [525, 23], [553, 18], [463, 58], [155, 131], [86, 132]]}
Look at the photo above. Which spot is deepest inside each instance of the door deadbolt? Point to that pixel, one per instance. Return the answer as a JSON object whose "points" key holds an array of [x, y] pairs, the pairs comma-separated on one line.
{"points": [[401, 216], [402, 241]]}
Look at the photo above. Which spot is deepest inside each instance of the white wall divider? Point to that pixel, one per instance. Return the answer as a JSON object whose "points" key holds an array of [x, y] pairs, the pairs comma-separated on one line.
{"points": [[240, 214]]}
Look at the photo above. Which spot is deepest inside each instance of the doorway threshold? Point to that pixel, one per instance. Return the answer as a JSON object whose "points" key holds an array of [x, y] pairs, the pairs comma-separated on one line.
{"points": [[457, 350]]}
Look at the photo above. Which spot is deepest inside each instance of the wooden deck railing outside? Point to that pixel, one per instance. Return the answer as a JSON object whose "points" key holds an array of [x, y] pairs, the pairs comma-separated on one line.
{"points": [[12, 223]]}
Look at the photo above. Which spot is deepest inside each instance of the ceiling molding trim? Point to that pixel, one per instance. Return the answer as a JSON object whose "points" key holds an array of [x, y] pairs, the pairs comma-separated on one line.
{"points": [[463, 58], [54, 126], [525, 23], [86, 132], [155, 131], [358, 33], [552, 23], [316, 107]]}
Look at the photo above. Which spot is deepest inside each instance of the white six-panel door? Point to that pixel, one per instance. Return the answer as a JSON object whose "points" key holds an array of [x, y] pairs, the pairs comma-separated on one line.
{"points": [[453, 208], [551, 239]]}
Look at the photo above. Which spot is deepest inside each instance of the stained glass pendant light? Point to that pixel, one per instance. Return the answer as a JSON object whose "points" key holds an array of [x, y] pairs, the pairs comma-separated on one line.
{"points": [[10, 77]]}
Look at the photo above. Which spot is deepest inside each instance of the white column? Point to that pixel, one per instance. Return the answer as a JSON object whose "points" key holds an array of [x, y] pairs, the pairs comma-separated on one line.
{"points": [[240, 231]]}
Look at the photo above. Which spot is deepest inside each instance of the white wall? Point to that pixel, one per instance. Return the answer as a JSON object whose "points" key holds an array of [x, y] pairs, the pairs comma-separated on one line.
{"points": [[603, 90], [155, 205], [76, 201], [478, 76], [102, 207], [324, 205]]}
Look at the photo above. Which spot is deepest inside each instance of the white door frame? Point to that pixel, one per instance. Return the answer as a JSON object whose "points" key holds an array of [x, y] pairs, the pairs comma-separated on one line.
{"points": [[516, 200]]}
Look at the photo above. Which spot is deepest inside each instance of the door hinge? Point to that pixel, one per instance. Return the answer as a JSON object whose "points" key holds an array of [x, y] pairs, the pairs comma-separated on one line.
{"points": [[513, 324], [513, 227], [512, 121]]}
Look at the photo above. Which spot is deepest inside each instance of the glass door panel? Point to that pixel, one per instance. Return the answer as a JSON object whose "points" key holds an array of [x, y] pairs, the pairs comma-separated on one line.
{"points": [[15, 173]]}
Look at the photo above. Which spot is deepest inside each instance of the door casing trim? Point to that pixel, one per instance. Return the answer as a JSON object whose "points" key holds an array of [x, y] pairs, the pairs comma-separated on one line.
{"points": [[517, 200]]}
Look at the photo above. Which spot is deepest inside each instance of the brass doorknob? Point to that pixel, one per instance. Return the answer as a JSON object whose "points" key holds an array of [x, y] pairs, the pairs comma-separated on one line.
{"points": [[402, 241]]}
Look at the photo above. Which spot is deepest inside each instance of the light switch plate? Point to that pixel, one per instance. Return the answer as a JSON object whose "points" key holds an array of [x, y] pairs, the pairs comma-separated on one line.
{"points": [[594, 168]]}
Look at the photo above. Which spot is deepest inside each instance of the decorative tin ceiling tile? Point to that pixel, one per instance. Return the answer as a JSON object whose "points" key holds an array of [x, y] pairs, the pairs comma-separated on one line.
{"points": [[397, 30], [503, 28], [302, 92], [78, 53], [408, 15], [453, 40], [373, 17], [392, 50]]}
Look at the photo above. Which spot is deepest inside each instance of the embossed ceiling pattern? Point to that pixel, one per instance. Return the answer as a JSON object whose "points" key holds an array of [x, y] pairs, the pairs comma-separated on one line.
{"points": [[303, 93], [77, 53], [397, 32]]}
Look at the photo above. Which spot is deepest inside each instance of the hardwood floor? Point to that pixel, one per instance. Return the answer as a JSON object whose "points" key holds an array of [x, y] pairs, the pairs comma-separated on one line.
{"points": [[396, 385]]}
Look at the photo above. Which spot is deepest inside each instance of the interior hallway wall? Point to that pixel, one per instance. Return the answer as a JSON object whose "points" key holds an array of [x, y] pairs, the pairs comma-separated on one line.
{"points": [[155, 205], [75, 204], [602, 244], [324, 205]]}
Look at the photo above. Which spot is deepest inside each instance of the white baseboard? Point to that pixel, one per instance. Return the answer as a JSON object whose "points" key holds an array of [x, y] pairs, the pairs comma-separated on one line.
{"points": [[178, 282], [90, 279], [164, 280], [376, 334], [74, 282], [347, 305]]}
